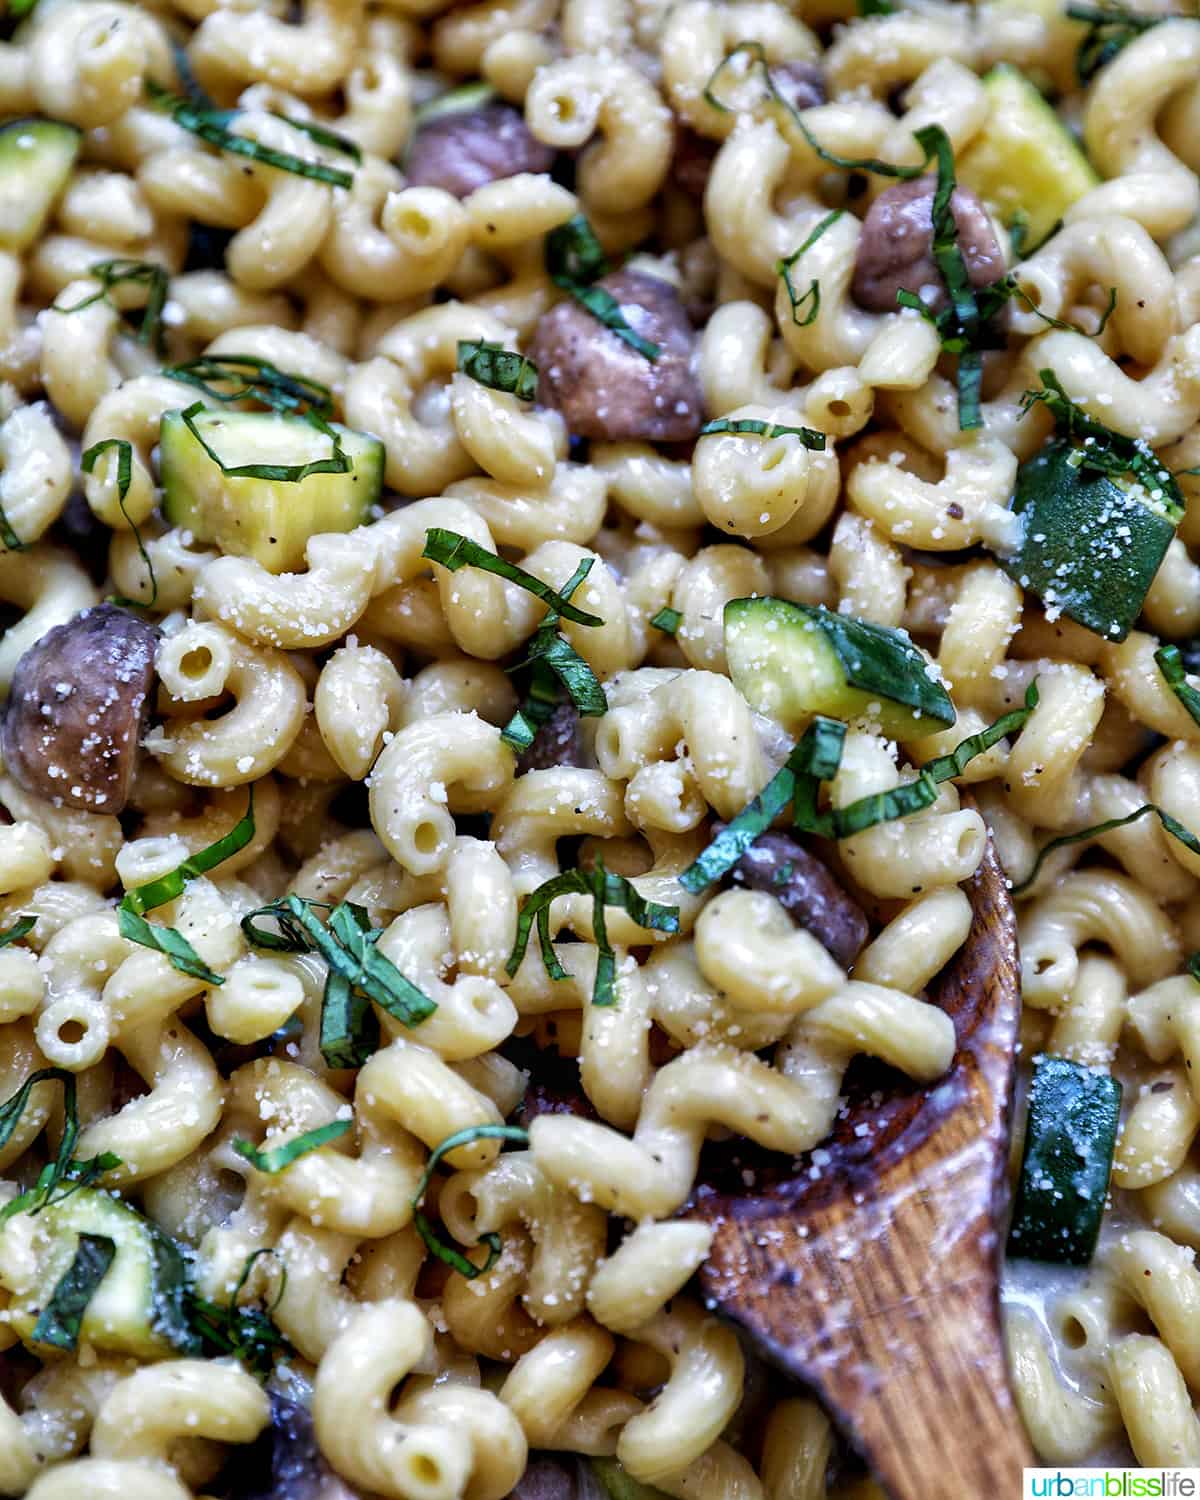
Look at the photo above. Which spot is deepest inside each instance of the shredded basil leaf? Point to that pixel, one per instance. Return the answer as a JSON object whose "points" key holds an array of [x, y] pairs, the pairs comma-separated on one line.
{"points": [[574, 261], [1170, 664], [87, 463], [447, 1254], [253, 379], [1103, 451], [945, 767], [17, 931], [554, 660], [784, 267], [358, 973], [63, 1169], [453, 550], [322, 135], [498, 368], [131, 920], [574, 254], [213, 1329], [751, 427], [349, 1026], [818, 753], [605, 889], [275, 1158], [1097, 830], [815, 759], [59, 1321], [1193, 967], [212, 126], [1110, 30], [339, 462], [667, 620], [111, 273], [14, 1107]]}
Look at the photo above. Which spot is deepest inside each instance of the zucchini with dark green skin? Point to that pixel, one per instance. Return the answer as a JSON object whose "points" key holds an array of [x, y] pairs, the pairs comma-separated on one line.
{"points": [[1091, 542], [1069, 1141], [36, 157], [793, 661]]}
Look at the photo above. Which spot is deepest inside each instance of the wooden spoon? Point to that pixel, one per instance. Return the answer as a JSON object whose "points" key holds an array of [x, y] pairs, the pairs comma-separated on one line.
{"points": [[874, 1276]]}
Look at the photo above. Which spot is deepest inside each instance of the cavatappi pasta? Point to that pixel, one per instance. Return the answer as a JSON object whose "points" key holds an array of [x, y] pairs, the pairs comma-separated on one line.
{"points": [[450, 457]]}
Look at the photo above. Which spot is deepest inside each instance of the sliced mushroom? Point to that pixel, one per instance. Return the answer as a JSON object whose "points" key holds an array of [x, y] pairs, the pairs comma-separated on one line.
{"points": [[783, 867], [896, 248], [556, 743], [602, 385], [78, 707], [469, 148]]}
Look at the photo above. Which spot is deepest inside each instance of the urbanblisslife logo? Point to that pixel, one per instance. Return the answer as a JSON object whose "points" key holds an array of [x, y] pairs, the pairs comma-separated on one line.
{"points": [[1119, 1484]]}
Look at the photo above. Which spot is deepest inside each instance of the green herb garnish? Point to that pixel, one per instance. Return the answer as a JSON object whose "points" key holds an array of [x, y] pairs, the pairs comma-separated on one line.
{"points": [[212, 126], [1170, 664], [59, 1321], [498, 368], [447, 1254], [1110, 30], [453, 550], [87, 463], [815, 759], [63, 1169], [213, 1329], [574, 261], [111, 273], [1097, 830], [812, 295], [751, 427], [338, 462], [276, 1158], [667, 620], [131, 919], [605, 890], [358, 973], [17, 931]]}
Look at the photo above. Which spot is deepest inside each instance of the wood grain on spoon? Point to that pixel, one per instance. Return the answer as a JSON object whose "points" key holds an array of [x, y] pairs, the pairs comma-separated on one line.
{"points": [[871, 1273]]}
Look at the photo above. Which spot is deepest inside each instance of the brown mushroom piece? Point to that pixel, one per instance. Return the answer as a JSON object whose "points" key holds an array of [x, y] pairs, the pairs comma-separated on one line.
{"points": [[783, 867], [604, 388], [556, 743], [896, 249], [79, 701], [468, 148]]}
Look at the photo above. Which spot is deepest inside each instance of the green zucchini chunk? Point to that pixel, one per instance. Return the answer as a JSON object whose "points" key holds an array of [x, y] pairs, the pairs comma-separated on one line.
{"points": [[36, 1251], [36, 157], [1069, 1142], [1091, 543], [792, 661], [269, 520], [1024, 163]]}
